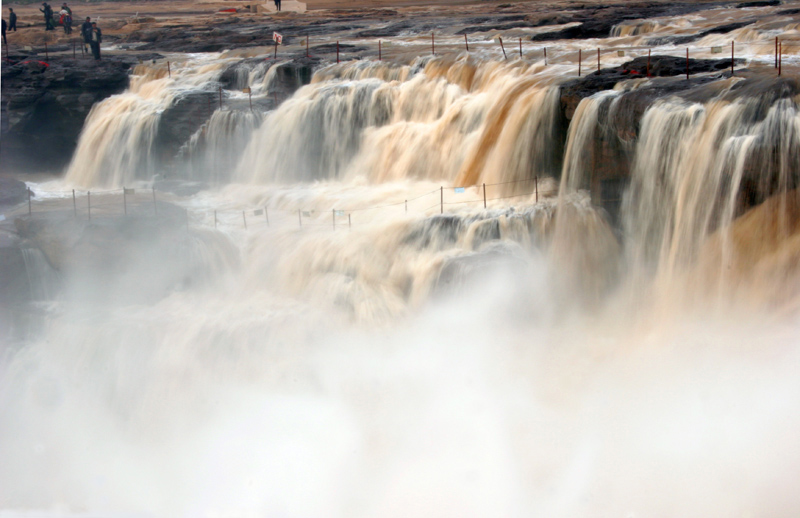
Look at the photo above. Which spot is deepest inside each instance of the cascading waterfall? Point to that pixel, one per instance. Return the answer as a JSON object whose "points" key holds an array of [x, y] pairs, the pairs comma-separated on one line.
{"points": [[697, 168], [512, 359], [214, 150], [454, 121], [116, 146]]}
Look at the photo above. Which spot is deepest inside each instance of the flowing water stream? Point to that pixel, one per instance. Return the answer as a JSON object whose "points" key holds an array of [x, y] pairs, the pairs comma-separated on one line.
{"points": [[529, 358]]}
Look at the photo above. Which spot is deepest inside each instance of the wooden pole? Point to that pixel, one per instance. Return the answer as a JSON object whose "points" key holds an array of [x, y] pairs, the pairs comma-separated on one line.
{"points": [[520, 47], [776, 52], [484, 195], [466, 43], [74, 204], [545, 56], [169, 70], [687, 63], [502, 47], [580, 56], [731, 59]]}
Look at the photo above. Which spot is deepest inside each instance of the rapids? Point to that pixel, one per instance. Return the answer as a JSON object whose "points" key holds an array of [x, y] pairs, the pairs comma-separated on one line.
{"points": [[398, 292]]}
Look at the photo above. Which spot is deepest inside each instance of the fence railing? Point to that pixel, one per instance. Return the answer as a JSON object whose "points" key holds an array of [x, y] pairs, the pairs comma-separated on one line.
{"points": [[136, 202], [581, 57]]}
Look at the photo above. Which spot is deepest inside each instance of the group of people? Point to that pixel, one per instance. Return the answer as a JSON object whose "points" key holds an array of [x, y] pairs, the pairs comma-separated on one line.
{"points": [[92, 35], [65, 17], [89, 30]]}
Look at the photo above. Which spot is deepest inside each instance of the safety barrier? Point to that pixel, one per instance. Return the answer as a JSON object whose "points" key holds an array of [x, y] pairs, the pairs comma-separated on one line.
{"points": [[131, 202], [559, 55]]}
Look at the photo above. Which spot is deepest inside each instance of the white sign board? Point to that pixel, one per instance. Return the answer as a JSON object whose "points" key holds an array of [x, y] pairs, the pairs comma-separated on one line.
{"points": [[277, 38]]}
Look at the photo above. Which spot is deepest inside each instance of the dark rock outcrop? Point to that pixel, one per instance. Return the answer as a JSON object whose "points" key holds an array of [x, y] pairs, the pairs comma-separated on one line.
{"points": [[597, 21], [576, 90]]}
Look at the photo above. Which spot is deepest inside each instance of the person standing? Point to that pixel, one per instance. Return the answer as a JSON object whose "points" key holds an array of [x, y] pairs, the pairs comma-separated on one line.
{"points": [[12, 20], [5, 42], [48, 16], [97, 37], [86, 31], [66, 18], [278, 5]]}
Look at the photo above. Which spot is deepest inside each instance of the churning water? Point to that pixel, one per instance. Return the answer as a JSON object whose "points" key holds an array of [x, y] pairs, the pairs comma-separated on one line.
{"points": [[523, 359]]}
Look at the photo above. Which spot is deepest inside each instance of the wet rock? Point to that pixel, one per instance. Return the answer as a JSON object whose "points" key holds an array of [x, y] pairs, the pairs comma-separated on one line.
{"points": [[12, 192], [182, 119], [762, 3], [597, 22], [574, 91], [681, 40]]}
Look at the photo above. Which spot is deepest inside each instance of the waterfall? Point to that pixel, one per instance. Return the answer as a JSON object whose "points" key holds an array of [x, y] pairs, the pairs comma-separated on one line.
{"points": [[214, 150], [341, 322], [455, 121], [697, 168], [118, 142]]}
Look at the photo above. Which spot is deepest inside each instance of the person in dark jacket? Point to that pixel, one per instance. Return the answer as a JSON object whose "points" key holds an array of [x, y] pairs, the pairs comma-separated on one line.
{"points": [[96, 37], [12, 20], [5, 42], [277, 4], [48, 16], [86, 31]]}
